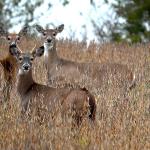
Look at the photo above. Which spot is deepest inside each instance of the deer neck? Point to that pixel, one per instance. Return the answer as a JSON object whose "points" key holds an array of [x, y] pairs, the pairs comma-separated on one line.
{"points": [[25, 83], [50, 54]]}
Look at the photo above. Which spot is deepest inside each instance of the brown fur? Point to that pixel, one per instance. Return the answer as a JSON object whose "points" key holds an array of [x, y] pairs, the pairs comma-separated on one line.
{"points": [[61, 70], [9, 63], [34, 95]]}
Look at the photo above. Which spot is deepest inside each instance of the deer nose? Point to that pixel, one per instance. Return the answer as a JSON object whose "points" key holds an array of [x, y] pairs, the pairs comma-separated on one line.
{"points": [[49, 40], [26, 67]]}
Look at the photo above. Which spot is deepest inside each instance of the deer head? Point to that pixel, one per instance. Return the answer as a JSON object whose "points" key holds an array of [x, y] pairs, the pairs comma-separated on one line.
{"points": [[49, 35], [25, 59], [13, 38]]}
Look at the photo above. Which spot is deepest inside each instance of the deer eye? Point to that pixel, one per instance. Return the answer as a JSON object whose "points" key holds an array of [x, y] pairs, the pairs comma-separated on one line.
{"points": [[44, 34], [31, 58], [54, 34], [20, 58], [18, 38], [8, 38]]}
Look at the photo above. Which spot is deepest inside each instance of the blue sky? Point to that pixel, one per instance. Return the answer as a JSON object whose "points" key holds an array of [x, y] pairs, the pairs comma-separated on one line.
{"points": [[74, 16]]}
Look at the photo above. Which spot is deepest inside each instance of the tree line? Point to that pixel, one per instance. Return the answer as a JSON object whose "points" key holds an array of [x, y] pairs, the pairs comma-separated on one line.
{"points": [[131, 22]]}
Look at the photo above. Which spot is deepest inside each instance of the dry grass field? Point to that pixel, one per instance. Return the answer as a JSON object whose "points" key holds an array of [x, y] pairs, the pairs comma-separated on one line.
{"points": [[121, 123]]}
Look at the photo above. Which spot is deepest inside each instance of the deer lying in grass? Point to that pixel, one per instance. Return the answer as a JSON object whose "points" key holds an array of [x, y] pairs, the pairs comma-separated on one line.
{"points": [[64, 70], [9, 63], [79, 100]]}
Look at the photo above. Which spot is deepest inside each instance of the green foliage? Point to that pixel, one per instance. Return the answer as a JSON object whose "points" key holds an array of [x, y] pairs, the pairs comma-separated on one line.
{"points": [[65, 2], [136, 14], [22, 11]]}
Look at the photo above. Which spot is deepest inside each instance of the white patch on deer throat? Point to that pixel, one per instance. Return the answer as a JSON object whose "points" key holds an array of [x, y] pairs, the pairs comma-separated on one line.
{"points": [[21, 72], [47, 48]]}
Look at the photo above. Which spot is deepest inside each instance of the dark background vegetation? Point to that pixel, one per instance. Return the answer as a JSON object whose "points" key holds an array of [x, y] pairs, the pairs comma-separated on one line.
{"points": [[131, 21]]}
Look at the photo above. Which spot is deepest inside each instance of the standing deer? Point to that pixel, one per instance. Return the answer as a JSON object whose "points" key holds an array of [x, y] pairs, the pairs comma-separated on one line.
{"points": [[79, 100], [9, 63], [64, 70]]}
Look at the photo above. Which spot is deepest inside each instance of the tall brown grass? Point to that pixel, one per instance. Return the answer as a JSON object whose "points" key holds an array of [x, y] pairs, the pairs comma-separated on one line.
{"points": [[121, 123]]}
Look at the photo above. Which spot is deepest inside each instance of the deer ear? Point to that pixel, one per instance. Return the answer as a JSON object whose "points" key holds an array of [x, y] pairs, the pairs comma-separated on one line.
{"points": [[60, 28], [39, 28], [3, 32], [13, 50], [23, 31], [38, 52]]}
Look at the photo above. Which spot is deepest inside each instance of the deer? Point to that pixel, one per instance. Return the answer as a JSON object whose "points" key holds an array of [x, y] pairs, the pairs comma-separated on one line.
{"points": [[59, 69], [9, 63], [80, 100]]}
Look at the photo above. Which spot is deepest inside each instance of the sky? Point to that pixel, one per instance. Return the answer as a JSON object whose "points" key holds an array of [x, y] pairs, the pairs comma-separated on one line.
{"points": [[75, 15]]}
